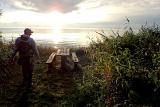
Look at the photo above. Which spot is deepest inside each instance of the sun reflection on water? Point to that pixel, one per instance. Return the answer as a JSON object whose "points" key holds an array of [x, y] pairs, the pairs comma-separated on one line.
{"points": [[57, 35]]}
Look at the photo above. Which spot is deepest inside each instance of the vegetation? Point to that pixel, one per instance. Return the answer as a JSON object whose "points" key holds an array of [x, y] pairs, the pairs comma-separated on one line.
{"points": [[119, 70], [128, 65]]}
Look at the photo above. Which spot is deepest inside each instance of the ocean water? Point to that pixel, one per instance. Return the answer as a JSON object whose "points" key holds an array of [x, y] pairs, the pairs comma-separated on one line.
{"points": [[70, 37]]}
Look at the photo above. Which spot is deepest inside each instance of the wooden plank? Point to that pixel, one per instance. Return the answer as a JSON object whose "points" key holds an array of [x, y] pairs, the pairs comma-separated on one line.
{"points": [[67, 51], [58, 52], [74, 57], [51, 57], [63, 52]]}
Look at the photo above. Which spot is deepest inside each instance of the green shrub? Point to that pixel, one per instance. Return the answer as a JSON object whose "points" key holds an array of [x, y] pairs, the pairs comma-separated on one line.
{"points": [[133, 61]]}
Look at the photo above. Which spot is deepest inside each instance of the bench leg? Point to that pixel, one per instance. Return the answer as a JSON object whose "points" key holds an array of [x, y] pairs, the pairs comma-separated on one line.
{"points": [[75, 67], [63, 59], [49, 68]]}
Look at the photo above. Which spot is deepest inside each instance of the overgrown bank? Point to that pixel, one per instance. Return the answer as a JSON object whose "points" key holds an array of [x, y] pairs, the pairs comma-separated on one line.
{"points": [[127, 68], [121, 70]]}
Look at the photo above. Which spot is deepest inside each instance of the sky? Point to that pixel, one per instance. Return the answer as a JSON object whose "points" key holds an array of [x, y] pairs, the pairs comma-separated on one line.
{"points": [[78, 13]]}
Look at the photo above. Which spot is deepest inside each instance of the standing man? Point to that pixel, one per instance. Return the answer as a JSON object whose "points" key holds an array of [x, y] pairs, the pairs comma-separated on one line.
{"points": [[26, 47]]}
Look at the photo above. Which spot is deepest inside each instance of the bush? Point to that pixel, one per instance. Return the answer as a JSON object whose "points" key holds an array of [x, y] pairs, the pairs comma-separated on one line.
{"points": [[133, 61]]}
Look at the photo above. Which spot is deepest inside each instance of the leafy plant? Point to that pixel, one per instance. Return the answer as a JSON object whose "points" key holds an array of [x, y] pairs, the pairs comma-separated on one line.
{"points": [[132, 60]]}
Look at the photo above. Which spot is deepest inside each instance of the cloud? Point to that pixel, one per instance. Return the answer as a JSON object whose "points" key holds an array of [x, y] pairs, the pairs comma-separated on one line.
{"points": [[147, 4], [142, 9], [71, 5], [130, 2], [110, 10], [44, 5]]}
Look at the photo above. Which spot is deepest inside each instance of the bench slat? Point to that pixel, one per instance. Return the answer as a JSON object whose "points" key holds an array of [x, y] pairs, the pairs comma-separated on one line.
{"points": [[51, 57], [67, 51], [74, 57], [58, 51], [63, 51]]}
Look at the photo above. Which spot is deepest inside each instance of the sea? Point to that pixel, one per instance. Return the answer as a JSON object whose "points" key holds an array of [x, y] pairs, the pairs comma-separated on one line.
{"points": [[56, 37]]}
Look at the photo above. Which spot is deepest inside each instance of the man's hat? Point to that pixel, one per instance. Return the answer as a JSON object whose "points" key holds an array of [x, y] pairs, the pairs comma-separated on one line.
{"points": [[27, 30]]}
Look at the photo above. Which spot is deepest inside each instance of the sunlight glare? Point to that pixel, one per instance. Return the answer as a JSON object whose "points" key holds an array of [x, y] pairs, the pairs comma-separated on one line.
{"points": [[56, 21], [56, 35], [56, 18], [84, 15]]}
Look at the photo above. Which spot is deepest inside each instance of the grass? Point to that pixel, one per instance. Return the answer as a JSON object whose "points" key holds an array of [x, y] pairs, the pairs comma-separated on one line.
{"points": [[47, 91], [129, 65], [121, 69]]}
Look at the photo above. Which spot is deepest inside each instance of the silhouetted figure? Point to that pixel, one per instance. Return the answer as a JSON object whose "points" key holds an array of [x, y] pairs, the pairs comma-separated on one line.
{"points": [[26, 47]]}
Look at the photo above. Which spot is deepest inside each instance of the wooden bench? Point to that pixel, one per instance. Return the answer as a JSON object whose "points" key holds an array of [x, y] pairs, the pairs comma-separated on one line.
{"points": [[75, 60], [64, 54], [74, 57], [49, 62], [51, 57]]}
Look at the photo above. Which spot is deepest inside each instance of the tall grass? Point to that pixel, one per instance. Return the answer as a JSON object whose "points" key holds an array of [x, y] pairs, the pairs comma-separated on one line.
{"points": [[125, 70], [127, 66]]}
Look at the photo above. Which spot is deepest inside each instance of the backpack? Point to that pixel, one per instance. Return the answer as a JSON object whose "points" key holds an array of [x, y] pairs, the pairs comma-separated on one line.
{"points": [[24, 47]]}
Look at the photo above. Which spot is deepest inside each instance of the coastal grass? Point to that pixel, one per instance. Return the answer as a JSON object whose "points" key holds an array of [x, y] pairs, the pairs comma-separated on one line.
{"points": [[118, 70], [125, 68]]}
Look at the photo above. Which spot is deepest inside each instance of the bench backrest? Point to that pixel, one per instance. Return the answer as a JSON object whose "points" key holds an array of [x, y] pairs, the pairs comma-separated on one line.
{"points": [[74, 57]]}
